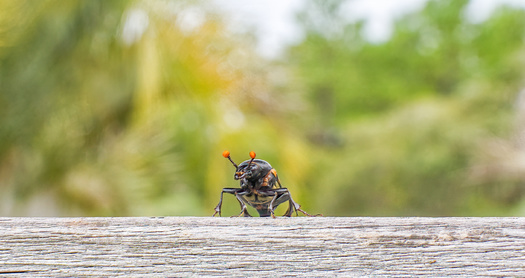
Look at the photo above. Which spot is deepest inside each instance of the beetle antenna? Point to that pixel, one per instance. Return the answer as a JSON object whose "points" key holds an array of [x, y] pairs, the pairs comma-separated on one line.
{"points": [[226, 154], [252, 155]]}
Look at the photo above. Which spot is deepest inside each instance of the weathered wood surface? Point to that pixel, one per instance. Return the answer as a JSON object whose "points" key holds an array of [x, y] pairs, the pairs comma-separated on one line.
{"points": [[247, 247]]}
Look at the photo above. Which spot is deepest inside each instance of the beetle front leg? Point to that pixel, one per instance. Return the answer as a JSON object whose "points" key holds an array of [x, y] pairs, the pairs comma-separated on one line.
{"points": [[244, 209], [232, 191]]}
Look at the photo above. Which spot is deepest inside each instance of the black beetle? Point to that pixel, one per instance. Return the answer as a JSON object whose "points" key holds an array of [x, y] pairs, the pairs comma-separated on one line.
{"points": [[260, 188]]}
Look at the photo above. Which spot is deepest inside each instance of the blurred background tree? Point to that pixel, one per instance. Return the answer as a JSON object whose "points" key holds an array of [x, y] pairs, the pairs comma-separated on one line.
{"points": [[124, 108], [412, 116], [111, 108]]}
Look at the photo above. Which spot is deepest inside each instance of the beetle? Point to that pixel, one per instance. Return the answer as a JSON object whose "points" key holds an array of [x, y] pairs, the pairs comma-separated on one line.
{"points": [[260, 188]]}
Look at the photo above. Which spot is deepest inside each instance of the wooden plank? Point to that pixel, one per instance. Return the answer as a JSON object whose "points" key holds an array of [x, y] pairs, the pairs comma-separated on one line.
{"points": [[241, 247]]}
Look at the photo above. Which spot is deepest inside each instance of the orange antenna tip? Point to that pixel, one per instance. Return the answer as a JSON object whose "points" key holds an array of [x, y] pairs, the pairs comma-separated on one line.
{"points": [[227, 155], [252, 155]]}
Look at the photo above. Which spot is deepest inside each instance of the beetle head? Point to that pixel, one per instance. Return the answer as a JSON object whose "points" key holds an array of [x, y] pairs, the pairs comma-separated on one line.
{"points": [[252, 169]]}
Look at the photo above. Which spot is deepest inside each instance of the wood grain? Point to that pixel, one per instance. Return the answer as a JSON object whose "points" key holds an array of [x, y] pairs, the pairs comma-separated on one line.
{"points": [[244, 247]]}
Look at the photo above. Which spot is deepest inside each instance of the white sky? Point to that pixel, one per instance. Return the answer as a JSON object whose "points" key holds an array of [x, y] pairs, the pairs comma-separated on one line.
{"points": [[273, 21]]}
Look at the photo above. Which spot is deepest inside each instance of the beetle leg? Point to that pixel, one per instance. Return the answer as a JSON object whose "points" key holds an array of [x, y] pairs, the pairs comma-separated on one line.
{"points": [[276, 201], [293, 205], [297, 207], [283, 198], [271, 207], [244, 209], [227, 190], [290, 209]]}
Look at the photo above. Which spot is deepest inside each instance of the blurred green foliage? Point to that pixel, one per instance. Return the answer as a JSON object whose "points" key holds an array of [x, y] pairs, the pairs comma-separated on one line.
{"points": [[111, 108], [412, 116]]}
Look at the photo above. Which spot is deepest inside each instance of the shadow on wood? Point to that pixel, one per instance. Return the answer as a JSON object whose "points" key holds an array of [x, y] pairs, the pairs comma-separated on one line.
{"points": [[240, 247]]}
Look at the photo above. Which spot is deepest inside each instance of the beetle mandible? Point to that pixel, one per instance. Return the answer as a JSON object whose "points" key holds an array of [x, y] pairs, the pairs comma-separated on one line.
{"points": [[260, 188]]}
